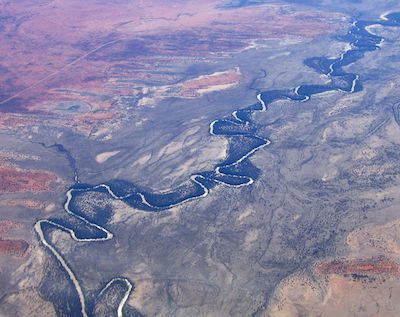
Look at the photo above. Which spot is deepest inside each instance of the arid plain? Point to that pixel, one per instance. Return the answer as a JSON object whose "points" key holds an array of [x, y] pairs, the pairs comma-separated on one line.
{"points": [[126, 92]]}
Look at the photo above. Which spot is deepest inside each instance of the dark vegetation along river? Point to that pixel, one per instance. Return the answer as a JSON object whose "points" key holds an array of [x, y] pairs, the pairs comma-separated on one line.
{"points": [[236, 171]]}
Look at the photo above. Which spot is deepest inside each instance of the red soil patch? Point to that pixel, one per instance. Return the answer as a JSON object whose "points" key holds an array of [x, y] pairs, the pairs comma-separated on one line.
{"points": [[211, 82], [3, 157], [9, 121], [222, 78], [32, 204], [97, 116], [8, 225], [13, 247], [378, 265], [93, 46], [15, 180]]}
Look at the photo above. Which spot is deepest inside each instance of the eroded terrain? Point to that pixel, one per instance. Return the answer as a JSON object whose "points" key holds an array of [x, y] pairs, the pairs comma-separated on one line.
{"points": [[199, 159]]}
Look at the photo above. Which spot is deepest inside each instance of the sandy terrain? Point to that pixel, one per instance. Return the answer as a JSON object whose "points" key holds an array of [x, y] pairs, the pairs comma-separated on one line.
{"points": [[63, 52], [102, 157]]}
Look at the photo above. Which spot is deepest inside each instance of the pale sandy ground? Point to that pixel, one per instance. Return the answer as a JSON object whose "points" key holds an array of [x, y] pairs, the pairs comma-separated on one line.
{"points": [[102, 157]]}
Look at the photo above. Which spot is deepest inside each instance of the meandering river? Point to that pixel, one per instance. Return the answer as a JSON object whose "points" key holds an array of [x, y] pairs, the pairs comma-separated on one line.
{"points": [[235, 171]]}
